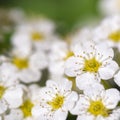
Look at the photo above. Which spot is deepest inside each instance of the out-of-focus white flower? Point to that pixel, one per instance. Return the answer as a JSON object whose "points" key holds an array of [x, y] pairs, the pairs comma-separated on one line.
{"points": [[97, 104], [108, 31], [10, 96], [36, 33], [60, 51], [91, 61], [29, 68], [81, 36], [109, 7], [55, 100], [117, 78], [24, 111]]}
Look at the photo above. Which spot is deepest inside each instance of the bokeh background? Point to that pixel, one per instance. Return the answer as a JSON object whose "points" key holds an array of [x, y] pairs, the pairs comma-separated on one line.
{"points": [[66, 13]]}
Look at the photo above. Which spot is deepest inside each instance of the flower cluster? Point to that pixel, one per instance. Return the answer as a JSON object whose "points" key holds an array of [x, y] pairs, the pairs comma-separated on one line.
{"points": [[82, 70]]}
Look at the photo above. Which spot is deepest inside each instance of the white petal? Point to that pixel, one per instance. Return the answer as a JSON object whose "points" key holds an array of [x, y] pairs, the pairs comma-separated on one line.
{"points": [[117, 78], [8, 74], [71, 68], [14, 96], [81, 106], [15, 114], [70, 101], [94, 91], [108, 71], [104, 50], [61, 85], [111, 98], [60, 115], [85, 117], [3, 106], [38, 112], [85, 80], [29, 75], [38, 60]]}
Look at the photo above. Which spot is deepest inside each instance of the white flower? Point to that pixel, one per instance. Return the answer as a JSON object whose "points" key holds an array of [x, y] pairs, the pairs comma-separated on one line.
{"points": [[55, 100], [109, 7], [10, 91], [36, 33], [23, 112], [117, 78], [91, 61], [29, 68], [108, 31], [10, 96], [97, 104], [60, 51]]}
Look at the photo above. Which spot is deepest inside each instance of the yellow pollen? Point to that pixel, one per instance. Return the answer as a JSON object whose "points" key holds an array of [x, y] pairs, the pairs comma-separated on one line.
{"points": [[115, 36], [69, 54], [56, 102], [26, 108], [2, 90], [97, 108], [20, 62], [91, 65], [36, 36]]}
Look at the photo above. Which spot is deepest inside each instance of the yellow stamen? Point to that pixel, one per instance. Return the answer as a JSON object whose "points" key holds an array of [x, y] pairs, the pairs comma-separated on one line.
{"points": [[97, 108], [91, 65], [56, 102], [115, 36], [2, 90], [20, 62], [26, 108], [36, 36]]}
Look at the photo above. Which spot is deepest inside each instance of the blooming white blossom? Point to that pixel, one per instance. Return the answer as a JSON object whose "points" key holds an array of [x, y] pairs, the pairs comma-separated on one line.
{"points": [[91, 62], [10, 96], [37, 34], [55, 100], [23, 112], [98, 104], [29, 67], [109, 7], [108, 31]]}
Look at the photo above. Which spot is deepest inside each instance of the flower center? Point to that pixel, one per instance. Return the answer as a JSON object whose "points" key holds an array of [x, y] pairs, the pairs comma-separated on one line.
{"points": [[69, 54], [56, 102], [2, 90], [20, 62], [115, 36], [36, 36], [26, 108], [97, 108], [91, 65]]}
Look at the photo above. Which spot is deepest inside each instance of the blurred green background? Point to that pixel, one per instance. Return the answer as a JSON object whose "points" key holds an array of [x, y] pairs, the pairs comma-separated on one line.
{"points": [[66, 13]]}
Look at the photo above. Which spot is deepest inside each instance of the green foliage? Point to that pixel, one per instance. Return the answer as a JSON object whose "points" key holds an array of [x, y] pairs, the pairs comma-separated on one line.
{"points": [[64, 12]]}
